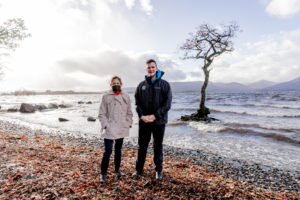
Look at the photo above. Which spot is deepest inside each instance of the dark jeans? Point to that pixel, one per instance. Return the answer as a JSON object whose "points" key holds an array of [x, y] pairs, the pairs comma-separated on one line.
{"points": [[108, 144], [145, 131]]}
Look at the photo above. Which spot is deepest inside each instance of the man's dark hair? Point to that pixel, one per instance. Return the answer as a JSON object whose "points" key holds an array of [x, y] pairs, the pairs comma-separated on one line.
{"points": [[150, 61]]}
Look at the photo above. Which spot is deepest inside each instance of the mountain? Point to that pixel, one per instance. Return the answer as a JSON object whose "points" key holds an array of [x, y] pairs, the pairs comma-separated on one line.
{"points": [[261, 84], [212, 87], [230, 87], [289, 85]]}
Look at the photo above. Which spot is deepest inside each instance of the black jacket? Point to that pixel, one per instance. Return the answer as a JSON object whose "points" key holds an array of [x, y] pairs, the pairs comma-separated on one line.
{"points": [[154, 98]]}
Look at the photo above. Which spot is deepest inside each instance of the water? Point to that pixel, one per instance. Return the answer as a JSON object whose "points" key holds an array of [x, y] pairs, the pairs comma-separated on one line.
{"points": [[260, 127]]}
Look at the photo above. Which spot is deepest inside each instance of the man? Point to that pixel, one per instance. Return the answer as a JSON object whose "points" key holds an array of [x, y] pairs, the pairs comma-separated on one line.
{"points": [[153, 101]]}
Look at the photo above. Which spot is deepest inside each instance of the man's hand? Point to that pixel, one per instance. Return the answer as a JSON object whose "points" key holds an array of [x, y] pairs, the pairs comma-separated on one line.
{"points": [[145, 119], [151, 118], [148, 118]]}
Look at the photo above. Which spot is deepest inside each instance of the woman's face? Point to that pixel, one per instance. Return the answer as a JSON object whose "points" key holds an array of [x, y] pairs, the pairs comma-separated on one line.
{"points": [[115, 82]]}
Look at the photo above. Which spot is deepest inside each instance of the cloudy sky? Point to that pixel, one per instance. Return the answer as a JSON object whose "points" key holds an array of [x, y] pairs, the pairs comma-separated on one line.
{"points": [[79, 44]]}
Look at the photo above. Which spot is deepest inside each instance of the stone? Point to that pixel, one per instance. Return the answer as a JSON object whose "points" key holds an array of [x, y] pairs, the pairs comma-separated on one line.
{"points": [[91, 119], [40, 107], [53, 105], [80, 102], [89, 102], [64, 105], [62, 119], [27, 108], [12, 110]]}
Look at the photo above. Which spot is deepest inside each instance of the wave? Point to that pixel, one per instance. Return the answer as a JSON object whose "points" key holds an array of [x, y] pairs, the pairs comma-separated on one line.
{"points": [[289, 130], [262, 105], [254, 114], [176, 123], [180, 109], [274, 136]]}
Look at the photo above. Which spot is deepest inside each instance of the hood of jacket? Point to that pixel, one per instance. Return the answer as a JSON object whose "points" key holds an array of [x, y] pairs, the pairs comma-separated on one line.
{"points": [[159, 75]]}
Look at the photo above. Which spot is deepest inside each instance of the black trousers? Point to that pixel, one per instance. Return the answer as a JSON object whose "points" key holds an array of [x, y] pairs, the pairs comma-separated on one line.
{"points": [[108, 145], [145, 131]]}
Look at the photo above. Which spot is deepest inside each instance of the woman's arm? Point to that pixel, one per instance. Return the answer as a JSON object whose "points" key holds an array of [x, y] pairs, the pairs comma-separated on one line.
{"points": [[103, 113], [129, 112]]}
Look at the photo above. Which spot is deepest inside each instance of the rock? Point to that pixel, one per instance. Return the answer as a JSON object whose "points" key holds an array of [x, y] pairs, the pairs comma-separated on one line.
{"points": [[27, 108], [89, 102], [12, 110], [64, 105], [53, 105], [40, 107], [80, 102], [62, 119], [91, 119]]}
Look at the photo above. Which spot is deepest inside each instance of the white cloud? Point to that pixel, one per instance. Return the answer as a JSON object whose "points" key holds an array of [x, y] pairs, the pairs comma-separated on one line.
{"points": [[129, 3], [274, 58], [283, 8], [62, 29], [146, 5]]}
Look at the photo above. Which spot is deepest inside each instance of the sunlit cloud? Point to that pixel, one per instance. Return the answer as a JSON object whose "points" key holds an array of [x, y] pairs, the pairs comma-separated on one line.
{"points": [[283, 8]]}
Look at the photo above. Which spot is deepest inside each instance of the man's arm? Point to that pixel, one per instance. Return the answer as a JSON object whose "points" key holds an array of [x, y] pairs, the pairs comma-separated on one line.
{"points": [[139, 109], [163, 109]]}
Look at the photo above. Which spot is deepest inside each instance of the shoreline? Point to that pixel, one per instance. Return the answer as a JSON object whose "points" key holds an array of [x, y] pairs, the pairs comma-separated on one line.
{"points": [[272, 179], [40, 167]]}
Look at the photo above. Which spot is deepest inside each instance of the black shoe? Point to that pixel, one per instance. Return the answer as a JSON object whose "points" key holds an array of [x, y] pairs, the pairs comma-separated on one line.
{"points": [[136, 175], [120, 173], [103, 178], [159, 176]]}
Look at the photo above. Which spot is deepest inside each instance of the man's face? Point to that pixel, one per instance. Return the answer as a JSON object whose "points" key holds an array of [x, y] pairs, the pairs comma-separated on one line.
{"points": [[151, 69]]}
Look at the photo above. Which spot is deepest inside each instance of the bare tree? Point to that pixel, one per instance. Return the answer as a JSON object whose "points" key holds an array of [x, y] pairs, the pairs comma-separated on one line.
{"points": [[11, 32], [206, 44]]}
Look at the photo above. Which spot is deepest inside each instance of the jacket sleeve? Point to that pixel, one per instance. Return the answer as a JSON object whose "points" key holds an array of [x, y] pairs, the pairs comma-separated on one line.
{"points": [[165, 107], [103, 113], [139, 109], [129, 113]]}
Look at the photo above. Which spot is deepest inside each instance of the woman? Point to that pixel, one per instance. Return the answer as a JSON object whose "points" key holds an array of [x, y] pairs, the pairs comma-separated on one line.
{"points": [[116, 118]]}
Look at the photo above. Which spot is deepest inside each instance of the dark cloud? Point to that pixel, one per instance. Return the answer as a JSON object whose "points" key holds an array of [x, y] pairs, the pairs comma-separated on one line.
{"points": [[131, 69]]}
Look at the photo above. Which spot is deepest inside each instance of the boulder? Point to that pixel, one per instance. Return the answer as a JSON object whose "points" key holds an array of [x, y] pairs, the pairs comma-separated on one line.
{"points": [[91, 119], [53, 105], [27, 108], [12, 110], [62, 119], [40, 107], [64, 105]]}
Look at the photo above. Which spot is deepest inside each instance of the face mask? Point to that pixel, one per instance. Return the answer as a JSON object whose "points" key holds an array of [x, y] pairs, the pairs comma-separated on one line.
{"points": [[116, 88]]}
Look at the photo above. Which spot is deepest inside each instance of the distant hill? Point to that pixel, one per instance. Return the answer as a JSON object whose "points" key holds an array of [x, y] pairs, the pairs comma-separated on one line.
{"points": [[230, 87], [289, 85], [212, 87], [261, 84]]}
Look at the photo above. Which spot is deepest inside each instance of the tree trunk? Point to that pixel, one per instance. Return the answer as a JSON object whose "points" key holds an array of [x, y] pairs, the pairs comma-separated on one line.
{"points": [[203, 111]]}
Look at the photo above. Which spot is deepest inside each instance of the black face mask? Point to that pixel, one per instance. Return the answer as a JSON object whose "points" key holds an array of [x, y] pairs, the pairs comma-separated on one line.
{"points": [[116, 88]]}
